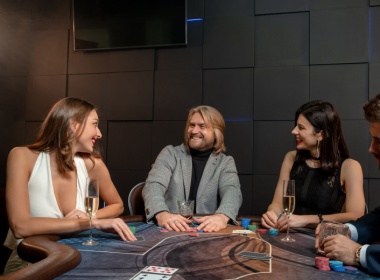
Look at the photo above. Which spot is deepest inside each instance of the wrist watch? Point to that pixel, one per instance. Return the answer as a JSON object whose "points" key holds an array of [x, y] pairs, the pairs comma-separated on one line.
{"points": [[357, 254]]}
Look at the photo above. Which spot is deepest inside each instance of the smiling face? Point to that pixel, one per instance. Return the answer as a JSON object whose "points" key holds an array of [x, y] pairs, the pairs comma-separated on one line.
{"points": [[306, 138], [86, 141], [374, 148], [201, 136]]}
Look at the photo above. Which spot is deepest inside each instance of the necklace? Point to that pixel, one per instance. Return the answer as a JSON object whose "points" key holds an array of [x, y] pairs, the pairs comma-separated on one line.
{"points": [[315, 158]]}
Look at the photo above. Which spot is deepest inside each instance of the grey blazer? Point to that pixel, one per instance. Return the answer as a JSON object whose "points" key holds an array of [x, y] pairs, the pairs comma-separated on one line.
{"points": [[170, 179]]}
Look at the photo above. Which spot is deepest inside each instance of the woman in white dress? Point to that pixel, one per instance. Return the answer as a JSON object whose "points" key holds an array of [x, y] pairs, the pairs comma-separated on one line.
{"points": [[45, 184]]}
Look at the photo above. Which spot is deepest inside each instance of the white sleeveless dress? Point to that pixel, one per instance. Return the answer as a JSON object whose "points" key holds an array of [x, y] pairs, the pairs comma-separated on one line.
{"points": [[43, 202]]}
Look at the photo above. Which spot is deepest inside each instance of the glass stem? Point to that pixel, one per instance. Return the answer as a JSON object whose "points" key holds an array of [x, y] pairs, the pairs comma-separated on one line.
{"points": [[287, 229], [90, 227]]}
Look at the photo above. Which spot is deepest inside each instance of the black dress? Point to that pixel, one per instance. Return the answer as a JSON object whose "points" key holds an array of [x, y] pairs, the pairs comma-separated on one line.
{"points": [[316, 190]]}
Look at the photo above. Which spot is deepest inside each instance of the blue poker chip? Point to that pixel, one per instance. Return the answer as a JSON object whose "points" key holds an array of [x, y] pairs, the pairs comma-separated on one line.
{"points": [[273, 231], [338, 268]]}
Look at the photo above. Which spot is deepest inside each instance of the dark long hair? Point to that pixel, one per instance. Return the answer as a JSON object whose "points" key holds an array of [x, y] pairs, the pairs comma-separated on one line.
{"points": [[323, 116], [56, 134]]}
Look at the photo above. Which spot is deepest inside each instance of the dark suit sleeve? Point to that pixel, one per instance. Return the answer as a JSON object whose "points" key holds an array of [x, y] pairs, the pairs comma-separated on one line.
{"points": [[368, 227], [373, 260]]}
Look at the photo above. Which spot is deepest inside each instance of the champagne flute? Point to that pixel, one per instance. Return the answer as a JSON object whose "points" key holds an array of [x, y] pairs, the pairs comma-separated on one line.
{"points": [[289, 203], [91, 203]]}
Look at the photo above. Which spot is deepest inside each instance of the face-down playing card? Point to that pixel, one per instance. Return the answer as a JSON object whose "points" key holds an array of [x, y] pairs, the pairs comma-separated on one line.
{"points": [[255, 256]]}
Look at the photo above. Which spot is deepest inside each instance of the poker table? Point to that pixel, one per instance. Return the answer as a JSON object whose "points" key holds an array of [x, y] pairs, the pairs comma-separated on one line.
{"points": [[207, 256]]}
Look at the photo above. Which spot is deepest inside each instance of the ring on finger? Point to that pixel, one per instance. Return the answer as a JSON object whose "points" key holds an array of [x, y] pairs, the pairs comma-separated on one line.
{"points": [[176, 221]]}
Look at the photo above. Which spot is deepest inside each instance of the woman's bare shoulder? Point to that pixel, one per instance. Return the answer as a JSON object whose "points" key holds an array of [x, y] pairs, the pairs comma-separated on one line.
{"points": [[23, 153]]}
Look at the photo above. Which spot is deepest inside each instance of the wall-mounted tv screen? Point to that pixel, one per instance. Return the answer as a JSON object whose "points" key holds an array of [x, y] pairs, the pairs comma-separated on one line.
{"points": [[120, 24]]}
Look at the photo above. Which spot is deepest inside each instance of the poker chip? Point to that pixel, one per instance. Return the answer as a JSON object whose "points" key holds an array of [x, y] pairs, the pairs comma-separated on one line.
{"points": [[273, 231], [245, 222], [336, 266], [164, 230], [322, 263], [252, 227], [133, 229], [194, 234], [350, 268], [262, 230]]}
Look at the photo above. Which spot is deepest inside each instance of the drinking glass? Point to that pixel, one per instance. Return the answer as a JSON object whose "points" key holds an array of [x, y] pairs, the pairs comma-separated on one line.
{"points": [[288, 203], [186, 208], [331, 228], [91, 203]]}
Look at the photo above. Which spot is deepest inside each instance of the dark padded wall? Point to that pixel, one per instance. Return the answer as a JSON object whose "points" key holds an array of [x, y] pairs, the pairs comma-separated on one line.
{"points": [[256, 61]]}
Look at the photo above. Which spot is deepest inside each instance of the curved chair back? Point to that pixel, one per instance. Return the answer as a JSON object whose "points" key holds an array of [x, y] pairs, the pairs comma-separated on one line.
{"points": [[135, 200]]}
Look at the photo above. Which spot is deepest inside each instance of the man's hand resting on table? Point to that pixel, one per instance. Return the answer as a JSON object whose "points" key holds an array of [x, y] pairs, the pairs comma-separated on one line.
{"points": [[172, 221], [212, 223]]}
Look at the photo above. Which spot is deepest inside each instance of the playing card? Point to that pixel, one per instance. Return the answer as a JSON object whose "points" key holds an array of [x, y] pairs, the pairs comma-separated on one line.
{"points": [[140, 238], [243, 231], [150, 276], [255, 256], [160, 269]]}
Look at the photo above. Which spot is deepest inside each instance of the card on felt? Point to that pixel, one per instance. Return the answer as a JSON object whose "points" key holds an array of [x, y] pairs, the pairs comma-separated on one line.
{"points": [[150, 276], [255, 256], [140, 238], [159, 269], [243, 231]]}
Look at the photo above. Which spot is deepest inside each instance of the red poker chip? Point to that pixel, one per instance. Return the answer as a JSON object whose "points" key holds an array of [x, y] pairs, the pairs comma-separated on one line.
{"points": [[262, 230], [322, 263], [194, 234]]}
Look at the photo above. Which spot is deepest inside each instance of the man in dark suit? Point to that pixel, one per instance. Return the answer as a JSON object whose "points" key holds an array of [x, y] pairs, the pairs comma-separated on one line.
{"points": [[360, 250], [197, 170]]}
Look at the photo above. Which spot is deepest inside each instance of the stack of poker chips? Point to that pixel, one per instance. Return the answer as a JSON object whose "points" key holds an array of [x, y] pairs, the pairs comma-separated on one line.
{"points": [[252, 227], [336, 266], [273, 231], [322, 263], [245, 222], [133, 229]]}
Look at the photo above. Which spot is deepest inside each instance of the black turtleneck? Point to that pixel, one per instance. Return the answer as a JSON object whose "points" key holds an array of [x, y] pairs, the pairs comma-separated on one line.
{"points": [[199, 159]]}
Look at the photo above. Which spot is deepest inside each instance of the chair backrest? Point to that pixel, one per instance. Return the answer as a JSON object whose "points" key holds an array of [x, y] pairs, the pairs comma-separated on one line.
{"points": [[4, 226], [135, 200]]}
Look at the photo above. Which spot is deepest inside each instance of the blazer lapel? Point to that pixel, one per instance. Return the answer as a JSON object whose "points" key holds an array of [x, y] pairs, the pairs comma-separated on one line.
{"points": [[187, 167], [207, 173]]}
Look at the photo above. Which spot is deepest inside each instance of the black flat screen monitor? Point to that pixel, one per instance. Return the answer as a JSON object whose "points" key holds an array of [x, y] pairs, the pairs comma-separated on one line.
{"points": [[120, 24]]}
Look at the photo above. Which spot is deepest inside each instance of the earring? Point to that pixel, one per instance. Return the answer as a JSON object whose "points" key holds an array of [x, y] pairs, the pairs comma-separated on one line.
{"points": [[318, 154]]}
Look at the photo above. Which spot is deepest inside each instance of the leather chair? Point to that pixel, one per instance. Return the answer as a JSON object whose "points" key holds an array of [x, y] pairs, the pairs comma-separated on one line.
{"points": [[49, 259], [4, 226], [135, 200]]}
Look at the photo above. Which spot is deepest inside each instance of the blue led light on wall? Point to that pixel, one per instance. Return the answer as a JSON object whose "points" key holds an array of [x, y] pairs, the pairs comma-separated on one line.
{"points": [[194, 19]]}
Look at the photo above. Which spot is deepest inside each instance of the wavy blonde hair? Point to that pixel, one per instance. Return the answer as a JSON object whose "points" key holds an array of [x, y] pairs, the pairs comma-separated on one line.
{"points": [[212, 118]]}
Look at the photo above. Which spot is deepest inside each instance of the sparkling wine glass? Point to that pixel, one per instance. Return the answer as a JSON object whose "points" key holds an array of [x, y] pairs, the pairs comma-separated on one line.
{"points": [[91, 203], [288, 203]]}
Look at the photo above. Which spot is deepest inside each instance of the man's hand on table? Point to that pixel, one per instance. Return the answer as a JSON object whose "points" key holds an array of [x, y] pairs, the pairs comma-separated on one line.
{"points": [[172, 221], [116, 225], [340, 247], [212, 223]]}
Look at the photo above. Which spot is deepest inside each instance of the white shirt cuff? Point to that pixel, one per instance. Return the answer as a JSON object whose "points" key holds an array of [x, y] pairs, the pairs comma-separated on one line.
{"points": [[354, 232]]}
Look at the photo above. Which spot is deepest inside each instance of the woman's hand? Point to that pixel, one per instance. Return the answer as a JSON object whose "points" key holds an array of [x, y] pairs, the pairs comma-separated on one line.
{"points": [[116, 225], [293, 221], [76, 214], [269, 219]]}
